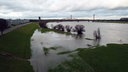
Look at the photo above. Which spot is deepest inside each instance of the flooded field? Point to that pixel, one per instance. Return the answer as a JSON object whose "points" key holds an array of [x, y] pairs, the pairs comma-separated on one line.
{"points": [[47, 48]]}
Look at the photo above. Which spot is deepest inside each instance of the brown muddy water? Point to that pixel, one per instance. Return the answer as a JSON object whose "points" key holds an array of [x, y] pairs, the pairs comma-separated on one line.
{"points": [[45, 57]]}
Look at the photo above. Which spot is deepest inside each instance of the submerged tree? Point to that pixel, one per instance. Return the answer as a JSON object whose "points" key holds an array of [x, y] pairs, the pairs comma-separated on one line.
{"points": [[79, 29], [59, 27], [68, 28], [96, 34], [42, 24]]}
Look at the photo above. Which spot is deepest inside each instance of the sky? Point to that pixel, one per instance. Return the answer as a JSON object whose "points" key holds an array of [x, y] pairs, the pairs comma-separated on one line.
{"points": [[32, 9]]}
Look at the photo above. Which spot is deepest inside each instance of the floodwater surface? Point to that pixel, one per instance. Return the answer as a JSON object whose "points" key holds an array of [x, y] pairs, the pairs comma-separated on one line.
{"points": [[47, 46]]}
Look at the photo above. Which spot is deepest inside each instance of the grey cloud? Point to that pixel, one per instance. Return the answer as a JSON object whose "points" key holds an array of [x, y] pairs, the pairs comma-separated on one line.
{"points": [[120, 8], [63, 8]]}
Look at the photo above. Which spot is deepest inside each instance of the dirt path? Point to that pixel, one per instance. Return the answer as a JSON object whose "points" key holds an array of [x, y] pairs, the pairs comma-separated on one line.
{"points": [[14, 27], [11, 56]]}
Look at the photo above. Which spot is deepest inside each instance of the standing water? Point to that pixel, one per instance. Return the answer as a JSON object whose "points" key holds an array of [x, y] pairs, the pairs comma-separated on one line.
{"points": [[42, 61]]}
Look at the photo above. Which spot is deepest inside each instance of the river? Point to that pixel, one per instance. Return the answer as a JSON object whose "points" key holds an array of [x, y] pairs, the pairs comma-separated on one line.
{"points": [[42, 62]]}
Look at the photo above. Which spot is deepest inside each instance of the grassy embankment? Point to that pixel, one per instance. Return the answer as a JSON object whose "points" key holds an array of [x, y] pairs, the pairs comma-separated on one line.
{"points": [[15, 50], [110, 58]]}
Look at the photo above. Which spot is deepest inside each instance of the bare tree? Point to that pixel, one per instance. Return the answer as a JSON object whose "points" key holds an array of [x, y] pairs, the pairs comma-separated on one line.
{"points": [[68, 28], [3, 25], [43, 24], [79, 29], [96, 34], [59, 27]]}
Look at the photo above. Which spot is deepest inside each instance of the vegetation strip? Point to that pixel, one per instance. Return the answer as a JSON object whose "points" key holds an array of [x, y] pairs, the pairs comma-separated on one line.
{"points": [[110, 58]]}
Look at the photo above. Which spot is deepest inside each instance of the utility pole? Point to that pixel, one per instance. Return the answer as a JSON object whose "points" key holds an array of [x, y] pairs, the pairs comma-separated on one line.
{"points": [[71, 16], [93, 17]]}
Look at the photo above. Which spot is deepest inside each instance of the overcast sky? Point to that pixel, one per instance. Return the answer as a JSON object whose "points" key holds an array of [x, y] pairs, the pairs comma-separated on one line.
{"points": [[109, 9]]}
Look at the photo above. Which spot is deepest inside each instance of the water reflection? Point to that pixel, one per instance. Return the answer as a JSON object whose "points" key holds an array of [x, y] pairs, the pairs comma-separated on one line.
{"points": [[96, 42], [78, 36]]}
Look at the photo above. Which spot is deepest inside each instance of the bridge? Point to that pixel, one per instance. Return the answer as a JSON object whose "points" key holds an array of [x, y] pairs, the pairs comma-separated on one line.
{"points": [[58, 20], [65, 20]]}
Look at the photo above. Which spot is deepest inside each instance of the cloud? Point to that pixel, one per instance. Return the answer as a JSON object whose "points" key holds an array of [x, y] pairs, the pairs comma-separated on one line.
{"points": [[62, 8]]}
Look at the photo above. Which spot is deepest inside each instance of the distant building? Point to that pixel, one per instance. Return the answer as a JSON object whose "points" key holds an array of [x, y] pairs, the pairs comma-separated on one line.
{"points": [[126, 19], [17, 21]]}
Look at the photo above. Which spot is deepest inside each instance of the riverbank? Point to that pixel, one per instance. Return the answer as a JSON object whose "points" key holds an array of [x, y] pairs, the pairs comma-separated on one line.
{"points": [[110, 58], [15, 49]]}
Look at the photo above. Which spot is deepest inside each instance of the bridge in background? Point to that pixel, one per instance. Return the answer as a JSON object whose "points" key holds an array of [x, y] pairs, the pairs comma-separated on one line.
{"points": [[77, 20]]}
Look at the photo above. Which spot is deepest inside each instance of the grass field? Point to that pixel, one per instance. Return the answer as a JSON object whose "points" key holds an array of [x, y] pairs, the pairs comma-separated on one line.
{"points": [[17, 42], [16, 45], [110, 58]]}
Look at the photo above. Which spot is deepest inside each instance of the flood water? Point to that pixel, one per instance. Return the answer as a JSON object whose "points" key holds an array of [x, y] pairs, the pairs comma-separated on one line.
{"points": [[41, 62]]}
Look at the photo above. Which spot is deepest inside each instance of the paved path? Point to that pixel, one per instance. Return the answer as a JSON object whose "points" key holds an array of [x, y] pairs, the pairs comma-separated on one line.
{"points": [[13, 28]]}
